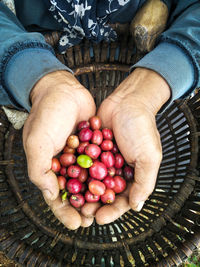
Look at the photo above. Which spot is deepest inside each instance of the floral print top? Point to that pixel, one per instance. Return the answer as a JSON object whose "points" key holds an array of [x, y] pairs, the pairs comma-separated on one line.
{"points": [[84, 19]]}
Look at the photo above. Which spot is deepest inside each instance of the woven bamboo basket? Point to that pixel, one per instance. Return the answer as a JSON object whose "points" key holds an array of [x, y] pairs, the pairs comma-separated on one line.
{"points": [[164, 233]]}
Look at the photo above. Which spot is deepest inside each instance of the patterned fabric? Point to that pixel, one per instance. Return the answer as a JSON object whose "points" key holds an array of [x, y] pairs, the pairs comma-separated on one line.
{"points": [[84, 19]]}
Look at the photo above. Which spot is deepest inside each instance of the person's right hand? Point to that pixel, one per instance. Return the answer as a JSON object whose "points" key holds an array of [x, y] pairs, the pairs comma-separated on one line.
{"points": [[59, 102]]}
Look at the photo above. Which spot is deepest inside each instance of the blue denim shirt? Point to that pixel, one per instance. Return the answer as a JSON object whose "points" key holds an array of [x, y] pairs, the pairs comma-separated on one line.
{"points": [[25, 57]]}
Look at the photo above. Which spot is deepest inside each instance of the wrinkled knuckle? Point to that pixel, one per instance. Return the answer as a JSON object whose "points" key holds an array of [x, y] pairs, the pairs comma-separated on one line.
{"points": [[152, 158], [145, 158]]}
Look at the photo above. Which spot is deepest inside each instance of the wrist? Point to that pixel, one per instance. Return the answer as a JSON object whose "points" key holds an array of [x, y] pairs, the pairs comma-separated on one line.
{"points": [[53, 81], [61, 88], [147, 86]]}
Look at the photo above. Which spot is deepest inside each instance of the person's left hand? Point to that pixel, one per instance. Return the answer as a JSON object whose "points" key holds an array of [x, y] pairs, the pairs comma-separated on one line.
{"points": [[130, 112]]}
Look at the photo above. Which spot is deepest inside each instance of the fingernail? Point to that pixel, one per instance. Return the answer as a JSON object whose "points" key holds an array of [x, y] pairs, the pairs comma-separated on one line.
{"points": [[47, 194], [139, 206]]}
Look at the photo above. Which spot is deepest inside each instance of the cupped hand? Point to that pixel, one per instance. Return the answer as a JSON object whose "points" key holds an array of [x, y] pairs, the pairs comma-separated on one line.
{"points": [[59, 102], [130, 112]]}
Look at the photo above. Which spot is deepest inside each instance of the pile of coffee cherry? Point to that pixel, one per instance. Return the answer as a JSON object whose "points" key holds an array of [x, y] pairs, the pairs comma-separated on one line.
{"points": [[91, 167]]}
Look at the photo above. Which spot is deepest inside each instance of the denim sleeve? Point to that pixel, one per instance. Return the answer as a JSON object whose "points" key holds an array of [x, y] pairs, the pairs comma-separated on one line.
{"points": [[177, 55], [24, 59]]}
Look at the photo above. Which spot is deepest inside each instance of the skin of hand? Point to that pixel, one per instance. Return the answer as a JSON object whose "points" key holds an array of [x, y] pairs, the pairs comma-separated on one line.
{"points": [[130, 112], [59, 102]]}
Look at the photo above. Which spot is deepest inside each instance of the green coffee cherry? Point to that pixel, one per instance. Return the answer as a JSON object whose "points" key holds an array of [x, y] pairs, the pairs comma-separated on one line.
{"points": [[64, 195], [84, 161]]}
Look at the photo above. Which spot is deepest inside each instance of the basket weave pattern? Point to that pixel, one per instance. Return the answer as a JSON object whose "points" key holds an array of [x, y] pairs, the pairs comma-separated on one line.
{"points": [[164, 233]]}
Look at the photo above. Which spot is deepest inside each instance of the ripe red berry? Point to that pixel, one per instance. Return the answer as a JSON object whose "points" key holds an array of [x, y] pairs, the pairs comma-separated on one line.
{"points": [[77, 200], [91, 198], [74, 186], [83, 175], [61, 182], [119, 172], [67, 159], [95, 123], [119, 161], [82, 146], [83, 125], [83, 188], [108, 197], [97, 137], [107, 145], [85, 135], [98, 170], [55, 165], [108, 159], [115, 149], [128, 173], [74, 171], [109, 182], [93, 151], [107, 134], [97, 187], [63, 171], [120, 184]]}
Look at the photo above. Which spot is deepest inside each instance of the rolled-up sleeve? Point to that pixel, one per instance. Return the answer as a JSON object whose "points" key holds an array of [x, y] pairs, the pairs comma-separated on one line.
{"points": [[24, 59], [177, 54]]}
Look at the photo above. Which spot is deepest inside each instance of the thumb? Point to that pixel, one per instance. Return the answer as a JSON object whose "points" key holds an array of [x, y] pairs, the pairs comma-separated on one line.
{"points": [[144, 183], [39, 159], [48, 184], [44, 178], [105, 113]]}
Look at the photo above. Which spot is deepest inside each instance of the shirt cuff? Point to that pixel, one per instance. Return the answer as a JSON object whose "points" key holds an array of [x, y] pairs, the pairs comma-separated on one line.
{"points": [[173, 65], [25, 68]]}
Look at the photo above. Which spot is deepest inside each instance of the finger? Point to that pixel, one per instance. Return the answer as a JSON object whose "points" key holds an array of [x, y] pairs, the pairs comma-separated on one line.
{"points": [[105, 114], [109, 213], [39, 158], [89, 209], [86, 222], [144, 181], [48, 184], [65, 213]]}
